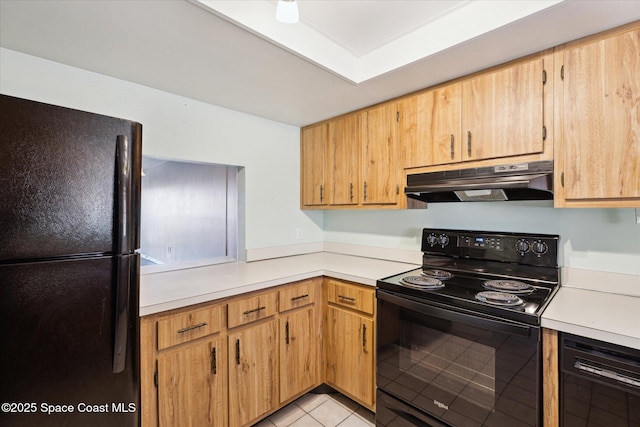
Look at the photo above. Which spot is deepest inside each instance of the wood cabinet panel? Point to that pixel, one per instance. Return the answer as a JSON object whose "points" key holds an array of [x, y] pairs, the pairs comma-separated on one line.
{"points": [[299, 339], [345, 137], [253, 372], [246, 310], [313, 174], [297, 295], [351, 296], [185, 327], [600, 133], [502, 112], [379, 156], [349, 358], [192, 385]]}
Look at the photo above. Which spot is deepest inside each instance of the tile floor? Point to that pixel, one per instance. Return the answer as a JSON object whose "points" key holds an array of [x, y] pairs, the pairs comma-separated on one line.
{"points": [[318, 410]]}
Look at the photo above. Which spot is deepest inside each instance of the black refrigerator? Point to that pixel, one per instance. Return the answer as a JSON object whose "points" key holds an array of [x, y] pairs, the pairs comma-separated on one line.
{"points": [[69, 270]]}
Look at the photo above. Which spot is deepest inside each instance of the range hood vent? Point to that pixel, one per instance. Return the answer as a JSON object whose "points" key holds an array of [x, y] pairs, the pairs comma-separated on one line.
{"points": [[520, 181]]}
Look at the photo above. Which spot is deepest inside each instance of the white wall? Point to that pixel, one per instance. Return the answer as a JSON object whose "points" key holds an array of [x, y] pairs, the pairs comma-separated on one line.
{"points": [[181, 128], [591, 239], [177, 127]]}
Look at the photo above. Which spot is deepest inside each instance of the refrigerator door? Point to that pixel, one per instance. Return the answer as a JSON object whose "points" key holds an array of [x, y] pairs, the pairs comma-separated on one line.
{"points": [[64, 323], [69, 182]]}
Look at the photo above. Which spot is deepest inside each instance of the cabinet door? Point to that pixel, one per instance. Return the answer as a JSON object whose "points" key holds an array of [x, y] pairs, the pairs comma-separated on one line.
{"points": [[502, 112], [601, 119], [350, 351], [439, 123], [345, 135], [313, 152], [192, 385], [379, 157], [253, 372], [298, 353]]}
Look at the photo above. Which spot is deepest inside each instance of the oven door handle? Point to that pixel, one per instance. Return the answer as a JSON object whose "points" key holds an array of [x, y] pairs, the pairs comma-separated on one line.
{"points": [[456, 316]]}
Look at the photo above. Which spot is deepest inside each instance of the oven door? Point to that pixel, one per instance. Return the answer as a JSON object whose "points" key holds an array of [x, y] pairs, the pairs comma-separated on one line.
{"points": [[455, 367]]}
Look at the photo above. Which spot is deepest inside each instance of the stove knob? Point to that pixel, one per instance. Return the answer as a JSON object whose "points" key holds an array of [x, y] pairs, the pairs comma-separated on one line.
{"points": [[432, 239], [522, 246], [539, 248], [443, 239]]}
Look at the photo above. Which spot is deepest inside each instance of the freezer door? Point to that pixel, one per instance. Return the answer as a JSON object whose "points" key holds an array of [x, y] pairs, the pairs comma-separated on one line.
{"points": [[69, 182], [60, 325]]}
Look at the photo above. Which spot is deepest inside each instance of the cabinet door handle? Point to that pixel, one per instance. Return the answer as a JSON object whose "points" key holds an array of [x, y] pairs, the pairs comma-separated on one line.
{"points": [[469, 143], [286, 333], [365, 191], [237, 351], [351, 191], [321, 195], [255, 310], [190, 328], [364, 336], [299, 297], [351, 300], [214, 362], [452, 147]]}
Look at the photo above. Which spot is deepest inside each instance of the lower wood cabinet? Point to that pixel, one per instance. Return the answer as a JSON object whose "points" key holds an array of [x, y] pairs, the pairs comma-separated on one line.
{"points": [[253, 385], [192, 385], [235, 361], [349, 341], [299, 339]]}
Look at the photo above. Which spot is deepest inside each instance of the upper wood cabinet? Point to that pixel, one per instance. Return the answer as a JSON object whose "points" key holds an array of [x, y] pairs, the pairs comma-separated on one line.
{"points": [[345, 140], [598, 126], [430, 127], [502, 112], [313, 173], [380, 168], [492, 115], [358, 165]]}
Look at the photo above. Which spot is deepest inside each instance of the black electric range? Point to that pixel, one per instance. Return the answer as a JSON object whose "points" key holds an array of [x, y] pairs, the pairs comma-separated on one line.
{"points": [[505, 275]]}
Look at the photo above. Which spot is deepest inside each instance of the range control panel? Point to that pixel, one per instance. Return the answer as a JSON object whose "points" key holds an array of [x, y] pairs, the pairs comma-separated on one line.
{"points": [[522, 248]]}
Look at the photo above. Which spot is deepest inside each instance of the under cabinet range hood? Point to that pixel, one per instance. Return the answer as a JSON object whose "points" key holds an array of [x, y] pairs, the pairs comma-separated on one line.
{"points": [[519, 181]]}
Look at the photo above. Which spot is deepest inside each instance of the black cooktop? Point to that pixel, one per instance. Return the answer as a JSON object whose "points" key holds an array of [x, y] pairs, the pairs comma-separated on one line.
{"points": [[466, 260], [460, 291]]}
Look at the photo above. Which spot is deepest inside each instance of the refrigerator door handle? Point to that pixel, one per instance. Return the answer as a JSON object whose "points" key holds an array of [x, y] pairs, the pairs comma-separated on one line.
{"points": [[123, 279], [124, 241]]}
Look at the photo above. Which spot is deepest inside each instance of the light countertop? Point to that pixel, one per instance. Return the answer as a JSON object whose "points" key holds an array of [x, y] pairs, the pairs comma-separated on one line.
{"points": [[181, 288], [603, 316]]}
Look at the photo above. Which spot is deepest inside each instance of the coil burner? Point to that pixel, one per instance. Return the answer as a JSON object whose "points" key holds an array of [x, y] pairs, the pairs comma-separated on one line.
{"points": [[422, 282], [437, 274], [499, 298], [509, 286]]}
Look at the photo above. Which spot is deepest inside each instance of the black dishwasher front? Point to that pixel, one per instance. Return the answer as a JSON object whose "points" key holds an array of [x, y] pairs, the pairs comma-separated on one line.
{"points": [[600, 383]]}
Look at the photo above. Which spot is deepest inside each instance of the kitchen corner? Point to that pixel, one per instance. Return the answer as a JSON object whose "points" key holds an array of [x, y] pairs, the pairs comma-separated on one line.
{"points": [[170, 290]]}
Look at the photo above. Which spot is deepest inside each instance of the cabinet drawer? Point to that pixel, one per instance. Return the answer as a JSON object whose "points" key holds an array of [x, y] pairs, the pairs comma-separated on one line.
{"points": [[180, 328], [250, 309], [351, 296], [297, 295]]}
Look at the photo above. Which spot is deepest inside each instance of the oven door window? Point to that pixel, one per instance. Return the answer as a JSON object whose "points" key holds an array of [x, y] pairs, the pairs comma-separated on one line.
{"points": [[462, 370]]}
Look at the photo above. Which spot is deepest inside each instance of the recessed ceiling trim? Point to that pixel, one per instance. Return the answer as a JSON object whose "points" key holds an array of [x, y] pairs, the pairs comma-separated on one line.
{"points": [[462, 23]]}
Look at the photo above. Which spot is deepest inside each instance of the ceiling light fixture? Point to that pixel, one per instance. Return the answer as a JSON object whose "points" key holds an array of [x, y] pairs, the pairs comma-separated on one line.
{"points": [[287, 11]]}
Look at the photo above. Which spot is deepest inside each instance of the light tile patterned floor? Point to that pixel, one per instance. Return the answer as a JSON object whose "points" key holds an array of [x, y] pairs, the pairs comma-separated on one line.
{"points": [[318, 410]]}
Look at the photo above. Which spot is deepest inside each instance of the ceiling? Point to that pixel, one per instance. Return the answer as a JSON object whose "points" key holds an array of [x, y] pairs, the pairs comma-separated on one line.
{"points": [[341, 56]]}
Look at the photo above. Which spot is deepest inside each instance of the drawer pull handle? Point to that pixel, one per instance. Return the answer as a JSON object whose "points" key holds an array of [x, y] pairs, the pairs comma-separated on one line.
{"points": [[190, 328], [255, 310], [299, 297], [351, 300]]}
